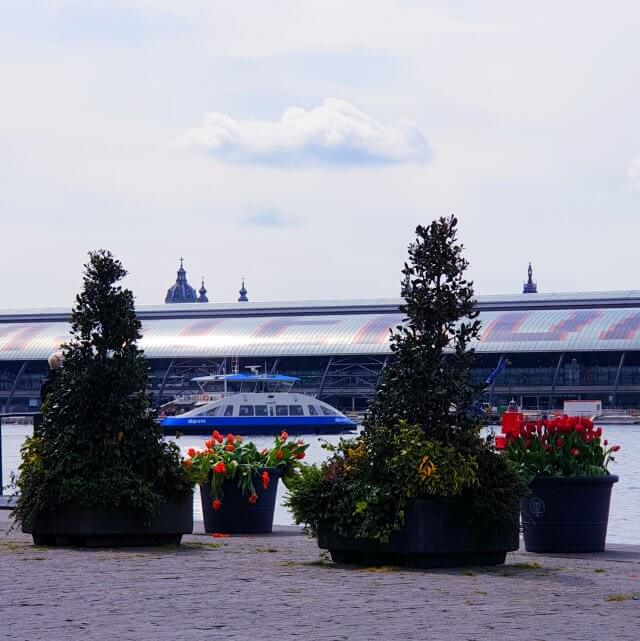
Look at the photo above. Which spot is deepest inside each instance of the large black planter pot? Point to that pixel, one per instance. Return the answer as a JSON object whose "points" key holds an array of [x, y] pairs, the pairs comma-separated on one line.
{"points": [[113, 526], [237, 515], [567, 514], [434, 535]]}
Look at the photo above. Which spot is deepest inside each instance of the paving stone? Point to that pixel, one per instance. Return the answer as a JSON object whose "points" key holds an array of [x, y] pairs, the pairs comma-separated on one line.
{"points": [[281, 587]]}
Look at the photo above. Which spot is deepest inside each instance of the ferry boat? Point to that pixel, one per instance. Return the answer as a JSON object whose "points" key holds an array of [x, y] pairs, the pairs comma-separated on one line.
{"points": [[252, 404]]}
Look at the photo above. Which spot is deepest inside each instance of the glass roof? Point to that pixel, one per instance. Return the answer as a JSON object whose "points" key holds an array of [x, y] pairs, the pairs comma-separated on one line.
{"points": [[342, 334]]}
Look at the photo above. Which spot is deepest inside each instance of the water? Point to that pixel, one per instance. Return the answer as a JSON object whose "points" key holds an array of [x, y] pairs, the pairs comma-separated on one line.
{"points": [[624, 521]]}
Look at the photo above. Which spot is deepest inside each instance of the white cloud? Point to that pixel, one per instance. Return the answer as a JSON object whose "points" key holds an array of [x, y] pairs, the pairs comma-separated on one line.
{"points": [[335, 133], [634, 171], [268, 215]]}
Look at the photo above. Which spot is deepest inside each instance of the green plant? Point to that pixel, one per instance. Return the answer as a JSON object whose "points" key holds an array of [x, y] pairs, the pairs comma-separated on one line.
{"points": [[232, 457], [421, 439], [564, 446], [99, 444], [355, 494], [429, 380]]}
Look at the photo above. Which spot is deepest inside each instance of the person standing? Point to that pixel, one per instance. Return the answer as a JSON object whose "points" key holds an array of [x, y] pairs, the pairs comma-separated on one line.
{"points": [[55, 363]]}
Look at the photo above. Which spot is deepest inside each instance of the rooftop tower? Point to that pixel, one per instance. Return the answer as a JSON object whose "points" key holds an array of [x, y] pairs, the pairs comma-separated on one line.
{"points": [[243, 294], [530, 287], [203, 293], [181, 292]]}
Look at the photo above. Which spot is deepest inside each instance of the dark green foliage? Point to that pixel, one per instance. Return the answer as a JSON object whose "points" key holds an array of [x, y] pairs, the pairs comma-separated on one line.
{"points": [[430, 372], [362, 491], [421, 439], [99, 444]]}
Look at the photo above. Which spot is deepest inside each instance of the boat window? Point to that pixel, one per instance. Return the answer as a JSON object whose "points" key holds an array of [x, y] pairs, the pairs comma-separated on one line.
{"points": [[296, 410], [270, 410], [282, 410], [261, 410], [246, 410], [228, 410], [213, 411], [327, 411], [312, 410]]}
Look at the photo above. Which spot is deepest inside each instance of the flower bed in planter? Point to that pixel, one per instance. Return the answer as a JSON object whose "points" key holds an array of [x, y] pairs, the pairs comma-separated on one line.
{"points": [[434, 535], [236, 514], [566, 513], [238, 483], [106, 526], [419, 503], [419, 486], [566, 466], [98, 447]]}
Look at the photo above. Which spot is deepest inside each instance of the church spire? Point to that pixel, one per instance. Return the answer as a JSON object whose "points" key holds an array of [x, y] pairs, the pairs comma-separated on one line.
{"points": [[243, 293], [203, 293], [530, 287]]}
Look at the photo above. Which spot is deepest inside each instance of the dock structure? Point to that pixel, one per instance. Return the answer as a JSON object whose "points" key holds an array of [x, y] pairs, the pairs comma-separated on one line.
{"points": [[558, 347], [281, 587]]}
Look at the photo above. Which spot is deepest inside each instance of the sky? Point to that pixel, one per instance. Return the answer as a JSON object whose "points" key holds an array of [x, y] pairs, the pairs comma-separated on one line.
{"points": [[298, 143]]}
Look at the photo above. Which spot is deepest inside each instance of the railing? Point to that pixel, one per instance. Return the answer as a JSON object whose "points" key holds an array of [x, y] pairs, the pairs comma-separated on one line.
{"points": [[7, 502]]}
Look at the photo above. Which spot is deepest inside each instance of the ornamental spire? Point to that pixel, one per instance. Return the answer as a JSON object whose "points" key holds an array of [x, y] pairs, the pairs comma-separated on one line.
{"points": [[243, 293], [203, 293], [530, 287]]}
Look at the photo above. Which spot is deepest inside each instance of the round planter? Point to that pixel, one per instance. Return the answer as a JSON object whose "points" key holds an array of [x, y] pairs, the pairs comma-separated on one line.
{"points": [[237, 515], [567, 514], [107, 526], [434, 535]]}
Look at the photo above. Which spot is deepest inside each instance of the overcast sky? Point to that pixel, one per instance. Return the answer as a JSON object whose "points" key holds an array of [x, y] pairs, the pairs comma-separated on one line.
{"points": [[299, 142]]}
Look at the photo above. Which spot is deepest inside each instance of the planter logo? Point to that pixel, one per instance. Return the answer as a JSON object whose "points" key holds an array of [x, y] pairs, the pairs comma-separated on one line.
{"points": [[537, 506]]}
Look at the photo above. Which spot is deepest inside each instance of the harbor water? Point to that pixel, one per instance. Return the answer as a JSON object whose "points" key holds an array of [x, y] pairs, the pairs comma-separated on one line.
{"points": [[624, 522]]}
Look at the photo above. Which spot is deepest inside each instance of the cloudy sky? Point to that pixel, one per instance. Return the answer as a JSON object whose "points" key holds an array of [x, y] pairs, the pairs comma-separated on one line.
{"points": [[299, 142]]}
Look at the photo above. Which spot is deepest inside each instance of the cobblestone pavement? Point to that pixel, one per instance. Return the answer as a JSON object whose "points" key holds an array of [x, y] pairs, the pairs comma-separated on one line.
{"points": [[280, 587]]}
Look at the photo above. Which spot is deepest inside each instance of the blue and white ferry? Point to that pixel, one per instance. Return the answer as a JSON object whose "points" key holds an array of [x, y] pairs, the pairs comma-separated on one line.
{"points": [[252, 404]]}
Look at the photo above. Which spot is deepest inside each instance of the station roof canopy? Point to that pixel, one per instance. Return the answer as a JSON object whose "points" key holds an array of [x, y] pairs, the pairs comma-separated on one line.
{"points": [[594, 321]]}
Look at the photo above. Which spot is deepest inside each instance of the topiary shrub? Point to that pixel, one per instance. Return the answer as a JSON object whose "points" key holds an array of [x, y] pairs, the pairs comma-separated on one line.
{"points": [[98, 444], [421, 437]]}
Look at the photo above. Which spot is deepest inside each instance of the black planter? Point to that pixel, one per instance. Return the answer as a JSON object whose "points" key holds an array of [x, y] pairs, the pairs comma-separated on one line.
{"points": [[237, 515], [567, 514], [434, 535], [113, 526]]}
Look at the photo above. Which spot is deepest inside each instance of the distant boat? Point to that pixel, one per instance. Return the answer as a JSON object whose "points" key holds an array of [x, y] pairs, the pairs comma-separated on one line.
{"points": [[618, 417], [252, 404]]}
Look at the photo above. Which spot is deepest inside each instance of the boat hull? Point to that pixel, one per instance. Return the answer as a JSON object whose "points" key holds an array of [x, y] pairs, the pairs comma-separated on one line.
{"points": [[254, 426]]}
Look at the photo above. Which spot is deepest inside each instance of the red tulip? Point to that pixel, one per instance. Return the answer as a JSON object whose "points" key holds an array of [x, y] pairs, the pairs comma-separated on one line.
{"points": [[216, 504], [575, 451], [266, 479], [220, 468], [253, 498], [615, 448]]}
